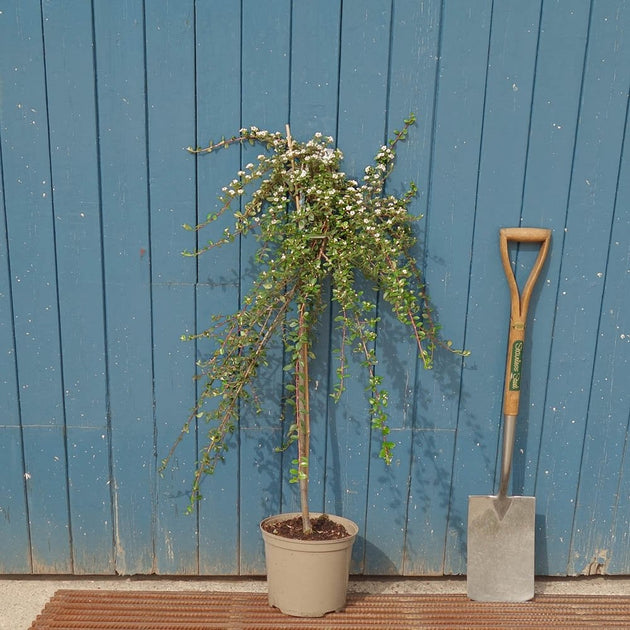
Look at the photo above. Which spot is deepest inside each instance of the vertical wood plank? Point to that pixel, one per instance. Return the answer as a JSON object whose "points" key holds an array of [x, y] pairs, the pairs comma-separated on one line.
{"points": [[218, 87], [363, 80], [554, 117], [31, 238], [72, 115], [428, 502], [619, 556], [90, 500], [46, 479], [176, 543], [613, 348], [14, 530], [120, 63], [265, 104], [600, 528], [412, 79], [170, 49], [29, 218], [581, 283], [171, 108], [75, 179], [449, 225], [218, 83], [315, 77], [451, 198], [219, 514], [508, 90], [600, 504]]}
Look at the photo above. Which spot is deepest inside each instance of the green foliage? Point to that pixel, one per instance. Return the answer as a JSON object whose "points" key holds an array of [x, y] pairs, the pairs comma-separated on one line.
{"points": [[314, 224]]}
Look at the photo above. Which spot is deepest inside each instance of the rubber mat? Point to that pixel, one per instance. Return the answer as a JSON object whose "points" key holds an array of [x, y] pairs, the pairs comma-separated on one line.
{"points": [[149, 610]]}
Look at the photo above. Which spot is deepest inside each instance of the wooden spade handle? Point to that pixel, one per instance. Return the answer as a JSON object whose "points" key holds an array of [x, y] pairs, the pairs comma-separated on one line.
{"points": [[519, 307]]}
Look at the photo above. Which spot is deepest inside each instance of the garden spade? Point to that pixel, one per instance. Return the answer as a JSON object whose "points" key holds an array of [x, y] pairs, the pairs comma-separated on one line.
{"points": [[501, 528]]}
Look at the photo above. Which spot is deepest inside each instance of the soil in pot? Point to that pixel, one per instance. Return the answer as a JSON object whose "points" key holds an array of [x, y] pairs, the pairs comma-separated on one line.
{"points": [[324, 528]]}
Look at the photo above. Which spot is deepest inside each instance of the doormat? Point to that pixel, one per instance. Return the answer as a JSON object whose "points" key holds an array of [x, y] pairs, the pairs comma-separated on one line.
{"points": [[188, 610]]}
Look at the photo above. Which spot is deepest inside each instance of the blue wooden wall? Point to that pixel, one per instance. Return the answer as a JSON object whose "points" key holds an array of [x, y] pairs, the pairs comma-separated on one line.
{"points": [[522, 120]]}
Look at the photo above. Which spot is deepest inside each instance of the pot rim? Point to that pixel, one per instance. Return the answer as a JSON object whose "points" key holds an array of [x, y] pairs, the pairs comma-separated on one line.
{"points": [[351, 526]]}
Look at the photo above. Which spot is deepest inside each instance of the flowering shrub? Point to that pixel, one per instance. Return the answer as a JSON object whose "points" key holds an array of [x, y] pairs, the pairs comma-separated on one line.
{"points": [[314, 223]]}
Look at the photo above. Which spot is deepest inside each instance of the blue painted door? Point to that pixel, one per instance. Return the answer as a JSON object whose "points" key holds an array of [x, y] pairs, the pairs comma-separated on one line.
{"points": [[522, 114]]}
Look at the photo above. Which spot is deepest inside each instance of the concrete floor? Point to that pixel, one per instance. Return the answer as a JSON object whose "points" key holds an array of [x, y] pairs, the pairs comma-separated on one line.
{"points": [[22, 598]]}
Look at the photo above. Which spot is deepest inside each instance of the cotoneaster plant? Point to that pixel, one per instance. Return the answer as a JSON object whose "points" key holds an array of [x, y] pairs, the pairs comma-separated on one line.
{"points": [[317, 227]]}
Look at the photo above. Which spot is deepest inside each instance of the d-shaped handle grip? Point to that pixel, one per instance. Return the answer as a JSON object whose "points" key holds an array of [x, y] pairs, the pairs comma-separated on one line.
{"points": [[519, 307]]}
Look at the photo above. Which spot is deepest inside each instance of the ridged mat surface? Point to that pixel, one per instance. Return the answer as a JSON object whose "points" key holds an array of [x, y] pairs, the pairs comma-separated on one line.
{"points": [[146, 610]]}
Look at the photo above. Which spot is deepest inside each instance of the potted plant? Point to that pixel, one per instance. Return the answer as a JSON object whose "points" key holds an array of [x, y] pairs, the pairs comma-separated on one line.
{"points": [[317, 227]]}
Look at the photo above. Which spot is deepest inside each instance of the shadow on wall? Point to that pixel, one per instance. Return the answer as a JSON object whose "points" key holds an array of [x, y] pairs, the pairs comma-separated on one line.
{"points": [[433, 425], [377, 556], [541, 559]]}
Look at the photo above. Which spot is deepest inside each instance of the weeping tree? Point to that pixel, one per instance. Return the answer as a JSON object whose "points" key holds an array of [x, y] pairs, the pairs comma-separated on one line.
{"points": [[316, 228]]}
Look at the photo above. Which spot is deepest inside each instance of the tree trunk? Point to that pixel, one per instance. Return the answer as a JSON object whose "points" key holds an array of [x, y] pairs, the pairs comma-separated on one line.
{"points": [[303, 419]]}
